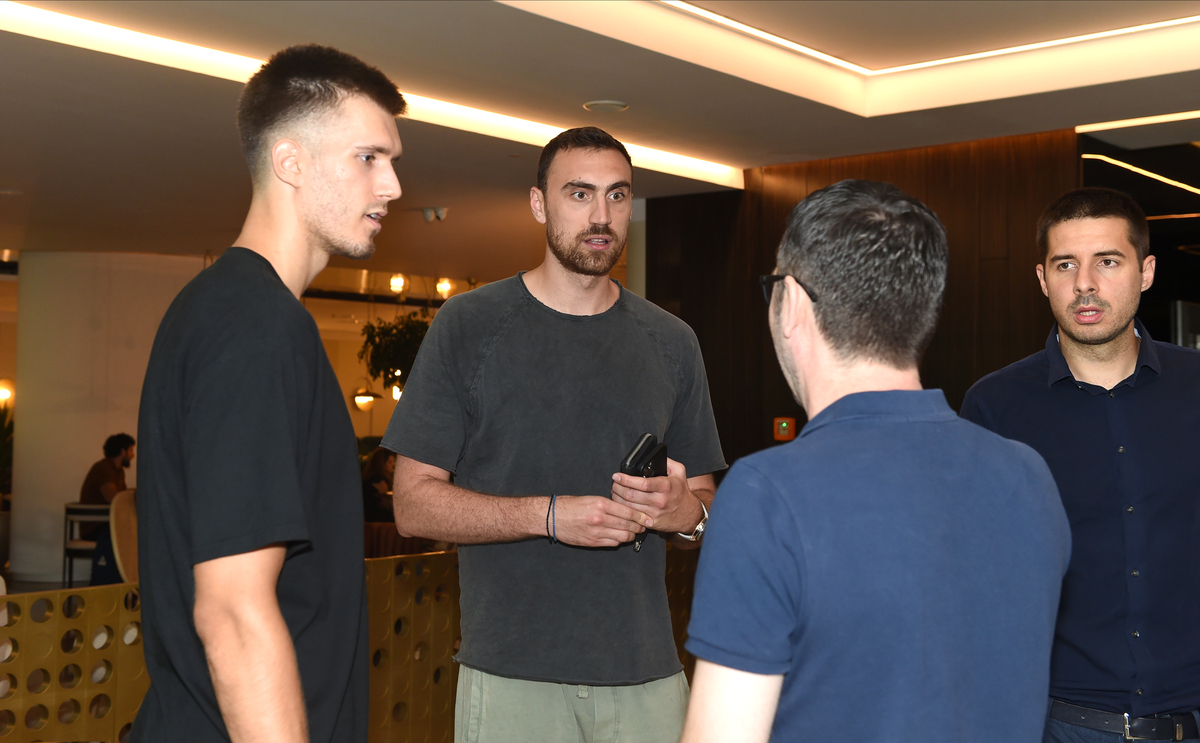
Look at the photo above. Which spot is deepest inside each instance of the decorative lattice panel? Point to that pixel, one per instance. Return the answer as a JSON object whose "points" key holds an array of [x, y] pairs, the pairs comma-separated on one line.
{"points": [[72, 669]]}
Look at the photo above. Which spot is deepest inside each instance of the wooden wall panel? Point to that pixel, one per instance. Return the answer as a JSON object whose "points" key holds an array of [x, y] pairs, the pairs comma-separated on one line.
{"points": [[704, 254]]}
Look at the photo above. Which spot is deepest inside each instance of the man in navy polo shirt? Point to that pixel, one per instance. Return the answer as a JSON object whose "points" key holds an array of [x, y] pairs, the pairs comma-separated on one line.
{"points": [[1115, 414], [894, 573]]}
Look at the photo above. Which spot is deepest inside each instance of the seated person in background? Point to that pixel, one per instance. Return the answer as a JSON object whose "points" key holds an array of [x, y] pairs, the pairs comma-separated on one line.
{"points": [[377, 486], [104, 480]]}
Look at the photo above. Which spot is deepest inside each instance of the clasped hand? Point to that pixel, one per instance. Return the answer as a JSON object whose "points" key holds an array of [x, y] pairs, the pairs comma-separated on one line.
{"points": [[638, 503], [667, 501]]}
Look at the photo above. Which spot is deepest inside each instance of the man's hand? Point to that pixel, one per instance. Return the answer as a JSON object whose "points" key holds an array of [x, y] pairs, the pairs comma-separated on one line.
{"points": [[592, 521], [671, 502]]}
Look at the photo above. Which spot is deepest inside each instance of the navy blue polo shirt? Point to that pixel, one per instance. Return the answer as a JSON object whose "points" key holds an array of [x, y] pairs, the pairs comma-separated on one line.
{"points": [[899, 566], [1128, 635]]}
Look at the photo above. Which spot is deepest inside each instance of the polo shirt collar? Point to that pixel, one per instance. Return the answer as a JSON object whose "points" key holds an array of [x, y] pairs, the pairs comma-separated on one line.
{"points": [[921, 405], [1058, 371]]}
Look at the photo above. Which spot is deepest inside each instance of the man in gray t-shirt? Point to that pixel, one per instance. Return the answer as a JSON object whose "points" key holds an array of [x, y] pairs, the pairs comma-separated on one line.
{"points": [[527, 393]]}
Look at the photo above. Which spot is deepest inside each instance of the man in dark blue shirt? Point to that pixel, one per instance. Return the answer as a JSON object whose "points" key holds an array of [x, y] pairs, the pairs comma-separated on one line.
{"points": [[1114, 413], [894, 573]]}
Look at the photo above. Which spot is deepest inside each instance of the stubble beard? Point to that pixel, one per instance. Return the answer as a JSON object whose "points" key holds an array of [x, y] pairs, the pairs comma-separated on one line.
{"points": [[576, 258], [1066, 324], [328, 210]]}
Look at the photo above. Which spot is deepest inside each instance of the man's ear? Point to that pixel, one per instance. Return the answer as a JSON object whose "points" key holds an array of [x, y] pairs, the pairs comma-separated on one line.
{"points": [[537, 204], [795, 308], [1041, 274], [287, 162], [1147, 272]]}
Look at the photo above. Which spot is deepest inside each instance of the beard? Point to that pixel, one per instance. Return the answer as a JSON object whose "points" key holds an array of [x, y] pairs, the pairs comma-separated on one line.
{"points": [[326, 212], [1093, 335], [574, 256]]}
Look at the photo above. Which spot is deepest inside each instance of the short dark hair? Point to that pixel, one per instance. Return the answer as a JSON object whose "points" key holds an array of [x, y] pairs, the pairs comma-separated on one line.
{"points": [[117, 443], [1095, 203], [583, 138], [301, 81], [876, 259]]}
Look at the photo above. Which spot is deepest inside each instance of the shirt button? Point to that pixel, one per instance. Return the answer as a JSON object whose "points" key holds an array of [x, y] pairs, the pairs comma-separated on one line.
{"points": [[1120, 450], [1130, 509], [1110, 394], [1135, 573], [1139, 692], [1136, 633]]}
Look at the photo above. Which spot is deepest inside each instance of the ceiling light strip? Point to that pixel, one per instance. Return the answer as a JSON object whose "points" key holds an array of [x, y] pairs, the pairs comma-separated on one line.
{"points": [[63, 29], [1172, 216], [1141, 121], [763, 35], [1141, 171], [830, 59]]}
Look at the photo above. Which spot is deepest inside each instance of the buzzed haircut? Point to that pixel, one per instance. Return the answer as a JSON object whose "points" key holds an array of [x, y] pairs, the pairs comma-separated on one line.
{"points": [[300, 82], [875, 258], [1096, 203], [583, 138], [117, 443]]}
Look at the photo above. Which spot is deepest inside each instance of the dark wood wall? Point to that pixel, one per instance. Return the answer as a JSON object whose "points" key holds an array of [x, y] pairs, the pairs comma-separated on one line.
{"points": [[705, 252]]}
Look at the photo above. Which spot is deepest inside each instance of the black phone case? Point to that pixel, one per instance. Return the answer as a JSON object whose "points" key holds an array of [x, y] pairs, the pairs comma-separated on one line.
{"points": [[647, 458]]}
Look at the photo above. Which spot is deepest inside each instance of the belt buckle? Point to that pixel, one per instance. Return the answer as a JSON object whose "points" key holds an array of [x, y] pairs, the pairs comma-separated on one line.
{"points": [[1129, 736]]}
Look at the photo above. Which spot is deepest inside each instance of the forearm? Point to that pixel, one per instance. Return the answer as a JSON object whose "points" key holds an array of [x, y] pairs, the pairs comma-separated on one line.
{"points": [[427, 505], [443, 511], [730, 706], [250, 656]]}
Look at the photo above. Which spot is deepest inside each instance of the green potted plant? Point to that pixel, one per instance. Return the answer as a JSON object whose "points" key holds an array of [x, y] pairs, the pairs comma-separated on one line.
{"points": [[390, 347]]}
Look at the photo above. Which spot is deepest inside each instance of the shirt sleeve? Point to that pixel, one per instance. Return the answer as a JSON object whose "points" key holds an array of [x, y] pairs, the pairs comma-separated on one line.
{"points": [[430, 422], [747, 607], [692, 438], [240, 450]]}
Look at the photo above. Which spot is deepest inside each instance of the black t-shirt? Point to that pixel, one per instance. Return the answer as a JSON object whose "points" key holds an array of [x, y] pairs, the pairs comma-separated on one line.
{"points": [[245, 442], [517, 399]]}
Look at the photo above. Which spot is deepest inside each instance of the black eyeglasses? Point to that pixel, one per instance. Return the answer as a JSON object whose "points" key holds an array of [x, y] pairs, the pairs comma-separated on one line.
{"points": [[768, 285]]}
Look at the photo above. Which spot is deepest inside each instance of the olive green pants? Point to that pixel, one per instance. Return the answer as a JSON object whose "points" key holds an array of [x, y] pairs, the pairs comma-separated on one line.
{"points": [[494, 709]]}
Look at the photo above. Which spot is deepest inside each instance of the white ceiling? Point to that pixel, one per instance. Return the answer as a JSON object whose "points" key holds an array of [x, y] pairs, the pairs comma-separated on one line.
{"points": [[120, 155]]}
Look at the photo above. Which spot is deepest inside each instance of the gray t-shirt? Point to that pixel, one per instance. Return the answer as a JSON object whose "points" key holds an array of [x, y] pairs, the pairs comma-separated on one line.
{"points": [[516, 399]]}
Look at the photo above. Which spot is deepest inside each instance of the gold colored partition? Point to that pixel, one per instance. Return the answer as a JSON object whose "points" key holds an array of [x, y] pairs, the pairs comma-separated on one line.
{"points": [[72, 669], [413, 607], [71, 665]]}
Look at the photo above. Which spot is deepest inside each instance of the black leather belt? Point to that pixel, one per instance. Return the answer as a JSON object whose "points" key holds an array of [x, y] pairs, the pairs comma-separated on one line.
{"points": [[1165, 727]]}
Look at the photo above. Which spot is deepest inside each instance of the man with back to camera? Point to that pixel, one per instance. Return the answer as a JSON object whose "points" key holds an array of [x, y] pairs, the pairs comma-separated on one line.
{"points": [[530, 391], [893, 573], [1114, 413], [104, 480], [250, 508]]}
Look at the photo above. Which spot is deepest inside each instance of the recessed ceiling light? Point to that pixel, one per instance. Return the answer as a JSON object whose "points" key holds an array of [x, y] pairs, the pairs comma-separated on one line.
{"points": [[607, 107], [11, 192]]}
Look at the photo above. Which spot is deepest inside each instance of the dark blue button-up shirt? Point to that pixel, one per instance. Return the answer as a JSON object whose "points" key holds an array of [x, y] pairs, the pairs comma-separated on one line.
{"points": [[1126, 464]]}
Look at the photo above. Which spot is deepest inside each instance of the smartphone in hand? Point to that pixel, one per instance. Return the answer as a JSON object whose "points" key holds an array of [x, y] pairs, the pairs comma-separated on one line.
{"points": [[647, 458]]}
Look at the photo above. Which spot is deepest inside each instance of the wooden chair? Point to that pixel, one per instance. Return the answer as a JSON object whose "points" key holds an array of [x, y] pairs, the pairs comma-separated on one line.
{"points": [[123, 526], [75, 515]]}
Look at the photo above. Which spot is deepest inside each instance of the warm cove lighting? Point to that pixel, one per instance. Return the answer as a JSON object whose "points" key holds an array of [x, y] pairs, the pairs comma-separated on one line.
{"points": [[1141, 121], [65, 29], [1140, 171], [813, 53]]}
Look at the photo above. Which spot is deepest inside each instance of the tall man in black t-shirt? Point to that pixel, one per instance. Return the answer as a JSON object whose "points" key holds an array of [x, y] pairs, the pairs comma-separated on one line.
{"points": [[1114, 413], [530, 390], [251, 516]]}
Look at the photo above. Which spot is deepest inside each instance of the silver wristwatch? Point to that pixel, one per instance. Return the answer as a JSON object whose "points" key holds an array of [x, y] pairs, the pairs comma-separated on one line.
{"points": [[699, 530]]}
